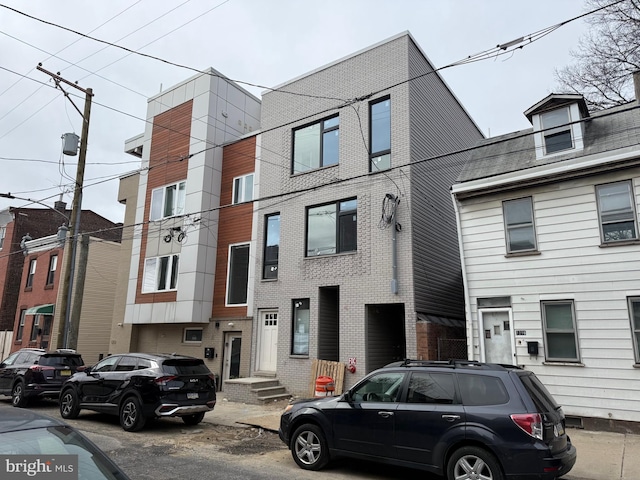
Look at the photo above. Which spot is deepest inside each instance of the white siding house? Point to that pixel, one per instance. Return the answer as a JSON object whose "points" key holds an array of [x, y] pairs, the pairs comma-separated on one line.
{"points": [[550, 247]]}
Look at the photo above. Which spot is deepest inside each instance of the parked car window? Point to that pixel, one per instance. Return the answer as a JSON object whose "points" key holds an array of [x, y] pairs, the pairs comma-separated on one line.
{"points": [[539, 393], [143, 363], [384, 387], [427, 387], [105, 365], [127, 364], [11, 359], [482, 390], [23, 357], [60, 361], [185, 367]]}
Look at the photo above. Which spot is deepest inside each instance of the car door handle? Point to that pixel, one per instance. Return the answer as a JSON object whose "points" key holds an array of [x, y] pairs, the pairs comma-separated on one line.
{"points": [[384, 414], [451, 418]]}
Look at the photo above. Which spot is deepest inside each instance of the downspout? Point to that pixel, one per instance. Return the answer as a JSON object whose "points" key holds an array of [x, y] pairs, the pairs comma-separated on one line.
{"points": [[467, 300]]}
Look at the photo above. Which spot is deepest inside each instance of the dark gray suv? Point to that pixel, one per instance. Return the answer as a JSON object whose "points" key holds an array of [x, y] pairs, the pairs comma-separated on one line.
{"points": [[460, 419]]}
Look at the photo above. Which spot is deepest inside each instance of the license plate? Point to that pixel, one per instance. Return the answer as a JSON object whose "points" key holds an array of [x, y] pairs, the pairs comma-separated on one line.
{"points": [[65, 373], [193, 395], [559, 430]]}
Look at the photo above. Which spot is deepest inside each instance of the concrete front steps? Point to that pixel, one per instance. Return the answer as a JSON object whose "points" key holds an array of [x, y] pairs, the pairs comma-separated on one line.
{"points": [[254, 390]]}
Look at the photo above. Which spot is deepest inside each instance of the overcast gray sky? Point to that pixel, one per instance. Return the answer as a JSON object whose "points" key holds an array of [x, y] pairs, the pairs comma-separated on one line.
{"points": [[256, 41]]}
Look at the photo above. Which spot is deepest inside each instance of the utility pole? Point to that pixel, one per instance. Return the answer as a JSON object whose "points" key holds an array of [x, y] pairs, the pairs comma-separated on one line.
{"points": [[64, 326]]}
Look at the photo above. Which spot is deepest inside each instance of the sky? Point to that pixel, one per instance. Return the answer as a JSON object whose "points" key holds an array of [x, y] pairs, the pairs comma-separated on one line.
{"points": [[257, 42]]}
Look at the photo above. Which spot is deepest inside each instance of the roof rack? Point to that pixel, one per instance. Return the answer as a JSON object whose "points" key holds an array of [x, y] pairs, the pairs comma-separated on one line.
{"points": [[453, 362]]}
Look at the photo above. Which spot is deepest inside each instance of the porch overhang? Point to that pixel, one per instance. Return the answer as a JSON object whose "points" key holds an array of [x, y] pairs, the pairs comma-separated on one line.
{"points": [[46, 309]]}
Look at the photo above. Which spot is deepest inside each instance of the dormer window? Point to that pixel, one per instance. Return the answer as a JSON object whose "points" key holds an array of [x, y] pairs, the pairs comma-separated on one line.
{"points": [[558, 138]]}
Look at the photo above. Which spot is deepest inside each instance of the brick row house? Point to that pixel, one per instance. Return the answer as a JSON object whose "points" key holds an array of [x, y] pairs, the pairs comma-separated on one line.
{"points": [[550, 247]]}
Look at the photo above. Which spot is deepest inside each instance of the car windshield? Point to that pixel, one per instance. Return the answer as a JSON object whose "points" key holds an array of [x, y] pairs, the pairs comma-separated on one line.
{"points": [[60, 361], [61, 440], [185, 367]]}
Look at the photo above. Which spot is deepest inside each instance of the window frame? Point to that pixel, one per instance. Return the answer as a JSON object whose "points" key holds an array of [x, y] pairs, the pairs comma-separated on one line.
{"points": [[631, 211], [323, 130], [21, 322], [547, 331], [508, 228], [239, 190], [171, 275], [230, 257], [635, 332], [192, 329], [53, 265], [270, 265], [34, 328], [554, 131], [31, 272], [340, 244], [178, 201], [303, 337], [3, 233], [378, 154]]}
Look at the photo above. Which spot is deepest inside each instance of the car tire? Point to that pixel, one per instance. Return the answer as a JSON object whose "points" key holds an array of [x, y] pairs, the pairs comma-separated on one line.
{"points": [[309, 447], [193, 419], [473, 462], [18, 398], [69, 404], [131, 417]]}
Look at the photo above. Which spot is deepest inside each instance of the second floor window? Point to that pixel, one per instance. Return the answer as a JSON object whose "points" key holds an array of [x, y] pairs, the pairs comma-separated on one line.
{"points": [[31, 274], [238, 274], [243, 189], [332, 228], [617, 212], [53, 265], [3, 232], [316, 145], [271, 246], [380, 135], [168, 201], [160, 274], [519, 225]]}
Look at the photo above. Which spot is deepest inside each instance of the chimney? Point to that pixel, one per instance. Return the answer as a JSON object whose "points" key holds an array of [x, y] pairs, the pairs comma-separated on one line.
{"points": [[60, 206], [636, 85]]}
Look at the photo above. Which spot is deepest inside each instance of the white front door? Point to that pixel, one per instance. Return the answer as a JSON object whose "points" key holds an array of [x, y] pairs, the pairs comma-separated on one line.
{"points": [[268, 343], [496, 334]]}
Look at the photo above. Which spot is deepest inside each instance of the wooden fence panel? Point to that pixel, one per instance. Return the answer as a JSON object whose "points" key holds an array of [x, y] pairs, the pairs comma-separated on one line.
{"points": [[326, 368]]}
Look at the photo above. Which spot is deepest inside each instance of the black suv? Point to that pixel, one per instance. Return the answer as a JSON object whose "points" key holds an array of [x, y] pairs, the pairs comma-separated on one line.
{"points": [[36, 373], [460, 419], [138, 386]]}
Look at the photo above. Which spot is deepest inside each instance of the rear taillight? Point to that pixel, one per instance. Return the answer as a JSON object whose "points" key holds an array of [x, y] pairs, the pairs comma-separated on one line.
{"points": [[164, 380], [531, 423], [39, 369]]}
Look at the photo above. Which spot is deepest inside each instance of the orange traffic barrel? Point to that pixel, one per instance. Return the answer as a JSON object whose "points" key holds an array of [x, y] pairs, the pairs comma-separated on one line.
{"points": [[325, 386]]}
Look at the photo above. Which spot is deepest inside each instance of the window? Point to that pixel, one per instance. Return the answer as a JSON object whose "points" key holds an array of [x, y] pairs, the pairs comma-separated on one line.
{"points": [[168, 201], [383, 387], [3, 232], [20, 331], [316, 145], [482, 390], [127, 364], [35, 329], [519, 226], [243, 189], [634, 313], [192, 335], [617, 212], [160, 274], [431, 388], [301, 320], [271, 246], [238, 274], [31, 274], [560, 331], [106, 365], [380, 135], [558, 138], [53, 264], [332, 228]]}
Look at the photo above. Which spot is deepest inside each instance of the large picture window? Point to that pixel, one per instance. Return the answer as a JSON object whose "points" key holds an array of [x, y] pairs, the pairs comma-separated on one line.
{"points": [[316, 145], [380, 134], [332, 228], [519, 225], [558, 136], [243, 189], [617, 212], [238, 274], [301, 320], [32, 273], [271, 246], [634, 314], [168, 201], [560, 331], [160, 274]]}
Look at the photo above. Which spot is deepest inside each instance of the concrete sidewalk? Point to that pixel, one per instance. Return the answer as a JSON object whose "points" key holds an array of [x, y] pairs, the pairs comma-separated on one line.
{"points": [[601, 455]]}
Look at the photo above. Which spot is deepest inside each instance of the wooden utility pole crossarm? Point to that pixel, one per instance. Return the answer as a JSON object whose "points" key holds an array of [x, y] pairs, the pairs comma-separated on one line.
{"points": [[64, 325]]}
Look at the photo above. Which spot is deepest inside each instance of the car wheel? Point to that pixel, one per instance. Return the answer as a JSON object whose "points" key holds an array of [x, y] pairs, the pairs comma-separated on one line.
{"points": [[69, 404], [194, 419], [469, 463], [309, 447], [17, 395], [131, 418]]}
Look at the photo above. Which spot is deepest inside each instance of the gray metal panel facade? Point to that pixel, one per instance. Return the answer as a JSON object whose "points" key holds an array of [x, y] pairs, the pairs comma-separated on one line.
{"points": [[439, 125]]}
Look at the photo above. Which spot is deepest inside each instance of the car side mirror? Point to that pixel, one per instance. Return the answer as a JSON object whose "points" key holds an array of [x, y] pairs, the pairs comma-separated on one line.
{"points": [[347, 397]]}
